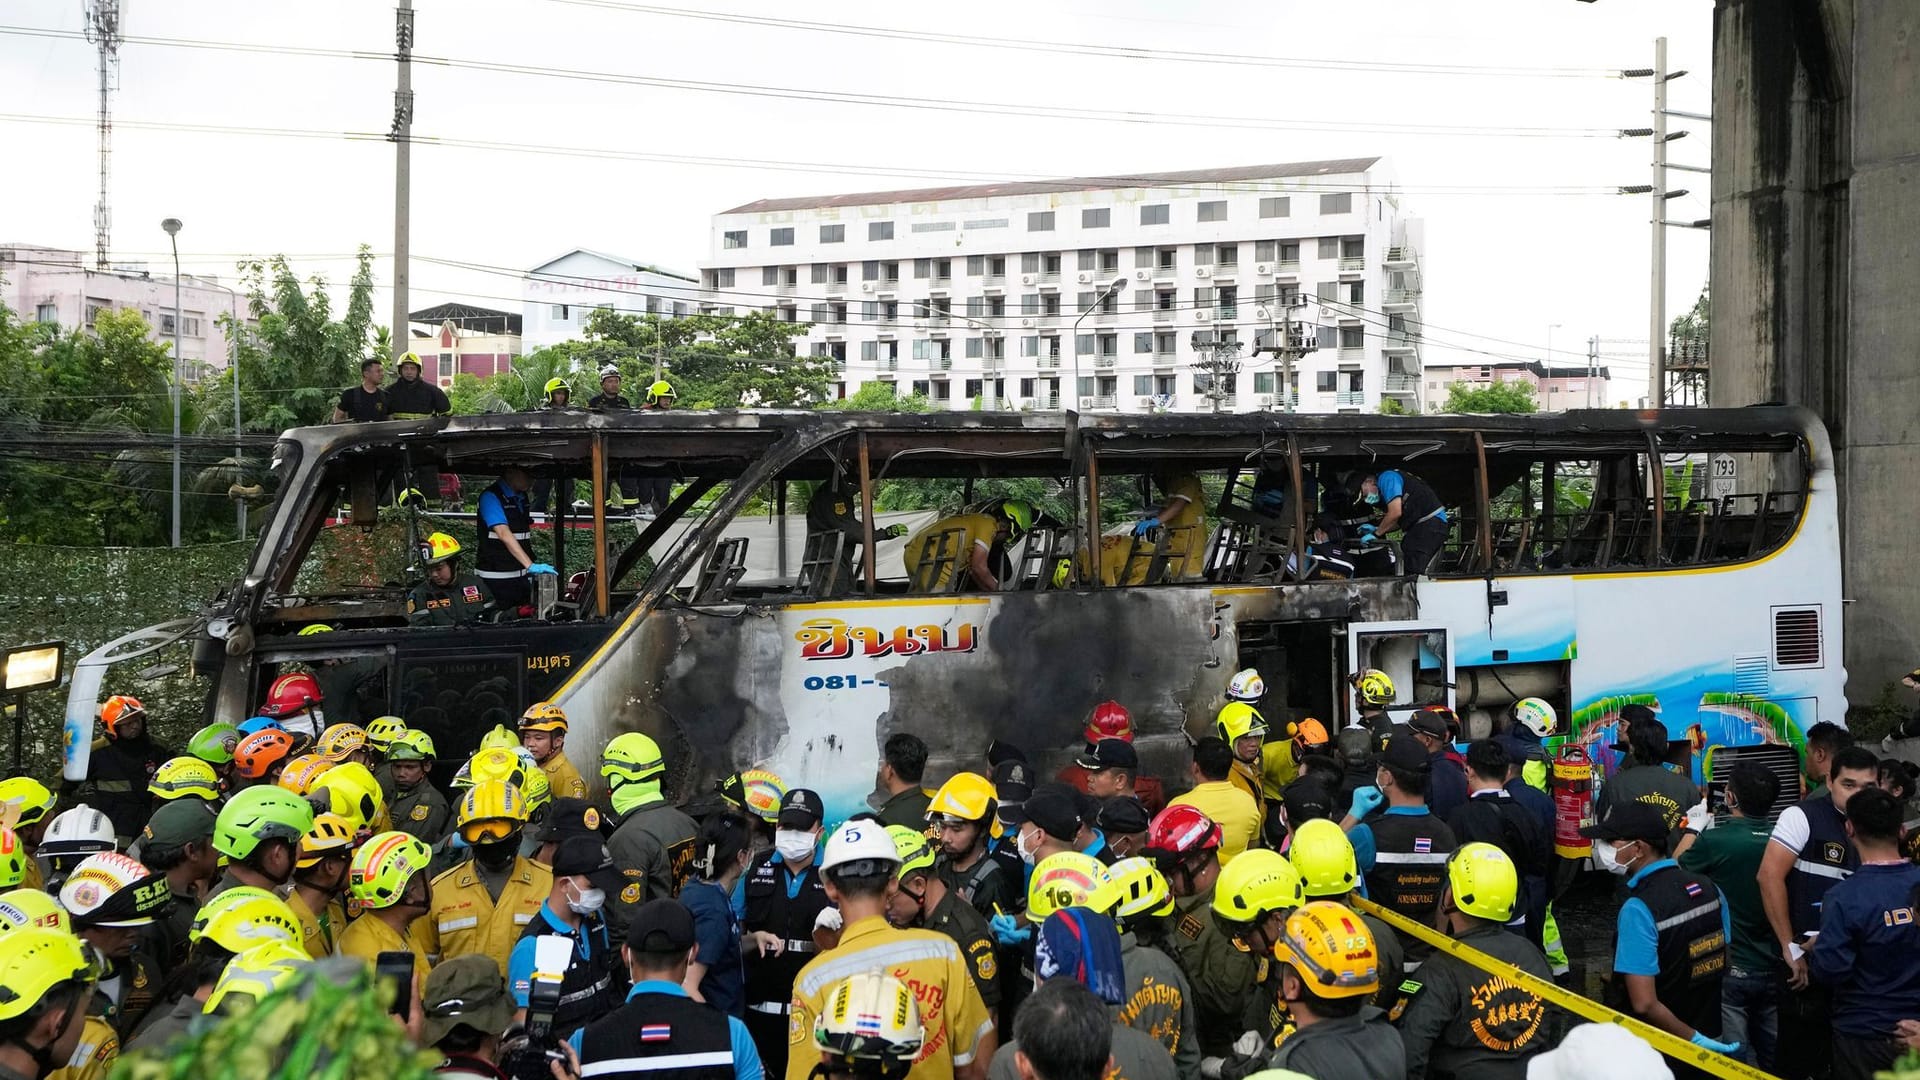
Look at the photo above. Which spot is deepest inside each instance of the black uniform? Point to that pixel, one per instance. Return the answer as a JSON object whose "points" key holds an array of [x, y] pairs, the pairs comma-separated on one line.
{"points": [[783, 904], [831, 511], [1828, 857], [659, 1025], [629, 484], [1691, 946], [1497, 818], [1459, 1021], [592, 985], [116, 785], [496, 564], [1423, 524], [416, 399], [1363, 1047], [361, 406], [1410, 865], [988, 885]]}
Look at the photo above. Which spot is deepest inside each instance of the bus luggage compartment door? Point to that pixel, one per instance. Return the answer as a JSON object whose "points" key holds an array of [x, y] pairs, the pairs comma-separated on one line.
{"points": [[1417, 656]]}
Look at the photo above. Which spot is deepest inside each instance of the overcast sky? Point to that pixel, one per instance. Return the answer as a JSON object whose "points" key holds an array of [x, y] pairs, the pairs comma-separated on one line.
{"points": [[1518, 235]]}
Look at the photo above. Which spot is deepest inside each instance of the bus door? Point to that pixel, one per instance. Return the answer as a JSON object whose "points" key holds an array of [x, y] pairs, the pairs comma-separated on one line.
{"points": [[1417, 656]]}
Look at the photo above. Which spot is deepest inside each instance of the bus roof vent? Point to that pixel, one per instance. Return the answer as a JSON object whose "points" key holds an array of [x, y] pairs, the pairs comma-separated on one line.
{"points": [[1796, 637]]}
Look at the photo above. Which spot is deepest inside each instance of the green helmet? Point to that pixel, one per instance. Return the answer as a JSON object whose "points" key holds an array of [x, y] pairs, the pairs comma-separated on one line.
{"points": [[915, 853], [258, 815], [214, 743], [1019, 513], [412, 746], [557, 383]]}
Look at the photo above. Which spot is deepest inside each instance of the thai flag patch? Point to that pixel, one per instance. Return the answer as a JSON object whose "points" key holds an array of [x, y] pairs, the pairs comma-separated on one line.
{"points": [[866, 1024], [1423, 846], [1694, 889], [656, 1032]]}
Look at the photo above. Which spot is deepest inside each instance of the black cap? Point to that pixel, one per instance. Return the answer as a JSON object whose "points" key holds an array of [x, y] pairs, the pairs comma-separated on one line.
{"points": [[661, 926], [579, 855], [801, 809], [1306, 799], [1055, 808], [1628, 821], [1012, 781], [571, 817], [1405, 752], [1123, 814], [1429, 722], [999, 752], [1110, 754]]}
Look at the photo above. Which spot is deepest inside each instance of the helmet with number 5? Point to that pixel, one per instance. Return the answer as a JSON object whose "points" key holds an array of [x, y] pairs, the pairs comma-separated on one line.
{"points": [[860, 842]]}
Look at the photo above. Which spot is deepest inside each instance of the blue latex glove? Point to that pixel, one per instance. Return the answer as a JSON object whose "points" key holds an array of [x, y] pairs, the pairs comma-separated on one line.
{"points": [[1010, 930], [541, 568], [1367, 532], [1700, 1040], [1366, 800], [1145, 526]]}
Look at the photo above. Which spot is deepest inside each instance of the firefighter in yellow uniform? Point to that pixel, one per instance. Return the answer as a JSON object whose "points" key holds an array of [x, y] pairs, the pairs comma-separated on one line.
{"points": [[1183, 516], [50, 977], [483, 904], [388, 879], [543, 731], [319, 877], [1244, 730], [971, 549]]}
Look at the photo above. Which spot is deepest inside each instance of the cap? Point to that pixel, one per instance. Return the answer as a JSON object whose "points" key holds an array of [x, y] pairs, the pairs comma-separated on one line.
{"points": [[1123, 814], [1110, 754], [801, 808], [662, 925], [178, 823], [465, 990], [1055, 808], [570, 817], [1632, 717], [1405, 752], [1628, 821], [1596, 1052], [579, 855], [1428, 723], [1306, 799], [999, 751]]}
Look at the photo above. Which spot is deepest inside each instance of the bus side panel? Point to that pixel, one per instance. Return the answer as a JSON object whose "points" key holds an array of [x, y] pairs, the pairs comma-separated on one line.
{"points": [[1511, 620]]}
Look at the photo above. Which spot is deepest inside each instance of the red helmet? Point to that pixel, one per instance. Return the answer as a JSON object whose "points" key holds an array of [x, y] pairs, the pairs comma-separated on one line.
{"points": [[1181, 830], [1110, 720], [291, 694], [119, 707]]}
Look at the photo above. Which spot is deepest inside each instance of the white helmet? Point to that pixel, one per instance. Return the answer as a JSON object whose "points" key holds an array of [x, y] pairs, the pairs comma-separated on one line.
{"points": [[858, 840], [611, 371], [75, 834], [1247, 686], [1536, 716], [110, 889]]}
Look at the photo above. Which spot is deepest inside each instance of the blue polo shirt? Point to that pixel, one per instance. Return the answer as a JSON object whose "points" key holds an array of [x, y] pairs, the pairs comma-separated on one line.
{"points": [[1637, 952], [1364, 851], [493, 511], [746, 1056], [587, 937], [716, 930]]}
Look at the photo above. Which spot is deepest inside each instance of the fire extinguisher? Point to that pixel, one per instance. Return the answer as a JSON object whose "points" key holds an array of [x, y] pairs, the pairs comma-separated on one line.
{"points": [[1572, 801]]}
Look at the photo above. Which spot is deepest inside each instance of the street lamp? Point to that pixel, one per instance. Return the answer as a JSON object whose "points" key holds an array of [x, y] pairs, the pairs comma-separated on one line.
{"points": [[172, 225], [1074, 333]]}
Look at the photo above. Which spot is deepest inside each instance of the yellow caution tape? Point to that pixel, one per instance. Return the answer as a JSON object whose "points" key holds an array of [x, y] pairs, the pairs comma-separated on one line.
{"points": [[1667, 1043]]}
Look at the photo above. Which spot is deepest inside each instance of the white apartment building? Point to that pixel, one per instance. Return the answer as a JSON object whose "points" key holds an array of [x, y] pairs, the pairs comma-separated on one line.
{"points": [[991, 294], [557, 296]]}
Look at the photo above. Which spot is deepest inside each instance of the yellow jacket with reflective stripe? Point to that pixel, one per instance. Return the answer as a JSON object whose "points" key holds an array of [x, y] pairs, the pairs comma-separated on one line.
{"points": [[318, 938], [563, 778], [465, 920], [93, 1058], [367, 937]]}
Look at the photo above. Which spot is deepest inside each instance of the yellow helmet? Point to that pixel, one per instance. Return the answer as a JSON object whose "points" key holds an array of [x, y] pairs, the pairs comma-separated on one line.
{"points": [[331, 834], [763, 790], [915, 853], [32, 907], [239, 925], [965, 796], [1483, 881], [631, 757], [496, 763], [34, 962], [185, 778], [1331, 949], [30, 795], [557, 383], [384, 866], [1374, 687], [254, 974], [1067, 879], [538, 791], [491, 810], [870, 1016], [543, 716], [1139, 889], [1256, 882], [13, 859], [300, 773], [382, 730], [339, 740], [1236, 720], [438, 548], [661, 390], [1324, 857], [354, 794], [245, 898], [313, 628], [411, 746]]}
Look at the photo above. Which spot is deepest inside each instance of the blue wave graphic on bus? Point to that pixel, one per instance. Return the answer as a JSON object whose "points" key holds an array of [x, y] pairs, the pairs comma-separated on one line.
{"points": [[1702, 708]]}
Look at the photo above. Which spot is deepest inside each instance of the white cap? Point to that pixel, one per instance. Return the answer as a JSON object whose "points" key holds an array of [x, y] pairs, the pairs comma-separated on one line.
{"points": [[858, 840], [1599, 1052]]}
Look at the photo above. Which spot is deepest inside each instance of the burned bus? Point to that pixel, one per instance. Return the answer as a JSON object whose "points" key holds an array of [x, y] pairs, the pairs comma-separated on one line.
{"points": [[1687, 560]]}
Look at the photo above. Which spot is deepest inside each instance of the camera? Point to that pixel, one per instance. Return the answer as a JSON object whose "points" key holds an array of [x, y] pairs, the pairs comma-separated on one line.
{"points": [[530, 1051]]}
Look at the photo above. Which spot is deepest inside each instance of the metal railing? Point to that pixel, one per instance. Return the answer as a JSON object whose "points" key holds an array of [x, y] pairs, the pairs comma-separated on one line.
{"points": [[995, 280], [1050, 277], [1349, 263], [1401, 384], [1401, 297], [1350, 397], [1287, 266], [1400, 254], [1163, 314]]}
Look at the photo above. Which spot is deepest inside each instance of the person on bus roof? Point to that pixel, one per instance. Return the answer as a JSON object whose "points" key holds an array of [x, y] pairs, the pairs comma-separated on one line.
{"points": [[1410, 506], [413, 398]]}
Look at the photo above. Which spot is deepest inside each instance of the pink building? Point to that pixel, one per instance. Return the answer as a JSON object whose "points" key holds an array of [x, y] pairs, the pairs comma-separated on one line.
{"points": [[1556, 388], [55, 285], [460, 339]]}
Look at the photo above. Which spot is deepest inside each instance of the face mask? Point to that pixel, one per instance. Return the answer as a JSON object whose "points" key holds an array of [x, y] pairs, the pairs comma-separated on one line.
{"points": [[794, 845], [1608, 857], [497, 854], [586, 901], [1372, 498], [1026, 851]]}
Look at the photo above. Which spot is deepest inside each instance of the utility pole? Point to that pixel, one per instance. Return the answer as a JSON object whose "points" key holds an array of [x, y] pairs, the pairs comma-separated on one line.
{"points": [[1657, 317], [401, 135], [1289, 342], [1593, 366], [1219, 359]]}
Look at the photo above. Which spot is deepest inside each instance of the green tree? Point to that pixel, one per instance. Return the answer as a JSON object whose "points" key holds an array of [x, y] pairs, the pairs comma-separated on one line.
{"points": [[713, 361], [293, 367], [881, 397], [1496, 397], [1693, 325]]}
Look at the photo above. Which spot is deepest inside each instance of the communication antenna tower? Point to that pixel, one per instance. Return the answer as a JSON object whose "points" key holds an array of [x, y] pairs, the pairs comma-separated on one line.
{"points": [[103, 30]]}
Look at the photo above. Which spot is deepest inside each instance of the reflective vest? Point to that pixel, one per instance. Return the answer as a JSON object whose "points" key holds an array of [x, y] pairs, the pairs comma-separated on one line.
{"points": [[589, 988], [788, 917], [1692, 944], [1826, 858], [1409, 868], [495, 561], [659, 1036]]}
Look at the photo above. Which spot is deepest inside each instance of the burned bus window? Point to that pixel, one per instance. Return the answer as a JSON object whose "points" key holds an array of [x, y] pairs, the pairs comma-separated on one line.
{"points": [[456, 699]]}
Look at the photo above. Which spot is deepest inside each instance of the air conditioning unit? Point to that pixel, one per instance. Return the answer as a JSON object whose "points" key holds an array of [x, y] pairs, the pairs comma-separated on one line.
{"points": [[866, 286], [1203, 314], [1143, 275], [1028, 322], [1085, 278], [1086, 403], [919, 324], [1202, 271], [1263, 268], [1146, 402], [1029, 279]]}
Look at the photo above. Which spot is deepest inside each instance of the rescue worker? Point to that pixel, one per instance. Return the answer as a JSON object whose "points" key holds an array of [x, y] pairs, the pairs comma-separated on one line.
{"points": [[1083, 946], [184, 777], [110, 902], [652, 842], [1244, 730], [413, 398], [859, 864], [1111, 720], [504, 526], [627, 491], [1409, 506], [241, 920], [466, 1011], [366, 402], [262, 757], [1645, 776], [342, 743], [1456, 1019], [448, 595], [1159, 999], [660, 1027], [381, 732], [417, 808], [32, 802], [120, 767], [1730, 854], [49, 978], [1237, 992], [962, 815], [259, 832], [214, 745], [177, 847], [1868, 946], [388, 879], [543, 730], [1049, 824], [557, 397], [1112, 767], [1808, 854], [1402, 852], [1372, 692], [1670, 954], [969, 547], [1433, 726], [903, 761], [72, 837], [785, 895], [656, 492], [831, 510], [1222, 798], [1328, 871], [869, 1030], [320, 883], [660, 397], [1492, 815], [1185, 844], [1531, 721], [293, 705], [1123, 821], [481, 904], [1326, 982], [923, 900], [574, 909]]}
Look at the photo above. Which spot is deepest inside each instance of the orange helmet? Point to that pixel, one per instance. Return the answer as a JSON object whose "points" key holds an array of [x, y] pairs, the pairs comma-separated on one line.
{"points": [[291, 694], [118, 708], [259, 752], [1309, 734], [1110, 720]]}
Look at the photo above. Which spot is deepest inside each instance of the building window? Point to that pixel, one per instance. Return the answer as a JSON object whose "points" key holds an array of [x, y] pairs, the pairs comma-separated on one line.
{"points": [[780, 237], [833, 234], [1277, 206], [1289, 251], [769, 275], [1337, 204], [1213, 211], [1353, 337], [1154, 214], [976, 348], [1143, 343], [723, 278], [190, 326], [879, 230], [1096, 219], [559, 313], [47, 313], [933, 226], [734, 239], [1227, 254], [1329, 247], [1040, 221], [1323, 381]]}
